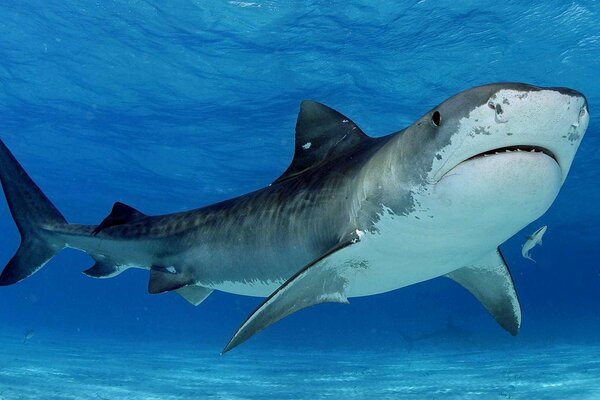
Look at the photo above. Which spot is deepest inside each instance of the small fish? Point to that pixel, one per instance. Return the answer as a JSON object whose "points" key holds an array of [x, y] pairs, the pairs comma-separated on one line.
{"points": [[532, 241], [28, 335]]}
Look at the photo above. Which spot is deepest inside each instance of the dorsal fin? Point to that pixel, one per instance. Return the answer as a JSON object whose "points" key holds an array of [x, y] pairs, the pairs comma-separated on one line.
{"points": [[120, 214], [321, 134]]}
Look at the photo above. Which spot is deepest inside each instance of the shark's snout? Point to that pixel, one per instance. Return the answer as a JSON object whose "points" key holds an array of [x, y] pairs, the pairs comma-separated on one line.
{"points": [[579, 114]]}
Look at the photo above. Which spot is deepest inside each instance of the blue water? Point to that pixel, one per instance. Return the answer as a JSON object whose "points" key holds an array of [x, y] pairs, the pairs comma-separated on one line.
{"points": [[168, 106]]}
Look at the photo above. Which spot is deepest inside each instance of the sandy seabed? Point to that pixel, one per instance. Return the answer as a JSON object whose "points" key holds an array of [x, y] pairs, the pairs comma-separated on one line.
{"points": [[34, 369]]}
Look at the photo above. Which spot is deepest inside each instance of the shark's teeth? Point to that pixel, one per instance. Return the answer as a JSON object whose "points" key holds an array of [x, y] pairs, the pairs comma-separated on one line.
{"points": [[517, 148]]}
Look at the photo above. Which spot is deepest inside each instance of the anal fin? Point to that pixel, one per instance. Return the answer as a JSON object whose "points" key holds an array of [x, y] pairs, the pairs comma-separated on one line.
{"points": [[194, 294], [489, 280]]}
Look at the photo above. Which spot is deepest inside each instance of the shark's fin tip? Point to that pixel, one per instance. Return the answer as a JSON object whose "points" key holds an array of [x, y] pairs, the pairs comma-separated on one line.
{"points": [[321, 281], [489, 280]]}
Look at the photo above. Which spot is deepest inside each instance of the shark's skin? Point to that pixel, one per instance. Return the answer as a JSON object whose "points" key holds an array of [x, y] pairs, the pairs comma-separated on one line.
{"points": [[371, 214]]}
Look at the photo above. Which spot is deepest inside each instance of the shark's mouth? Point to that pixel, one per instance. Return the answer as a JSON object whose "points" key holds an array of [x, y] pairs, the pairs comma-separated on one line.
{"points": [[518, 149]]}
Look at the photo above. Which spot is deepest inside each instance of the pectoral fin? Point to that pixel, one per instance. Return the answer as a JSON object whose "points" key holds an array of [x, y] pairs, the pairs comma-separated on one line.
{"points": [[489, 280], [321, 281]]}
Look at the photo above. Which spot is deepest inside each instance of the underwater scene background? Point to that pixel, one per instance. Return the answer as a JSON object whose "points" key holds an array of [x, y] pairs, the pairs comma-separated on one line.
{"points": [[169, 106]]}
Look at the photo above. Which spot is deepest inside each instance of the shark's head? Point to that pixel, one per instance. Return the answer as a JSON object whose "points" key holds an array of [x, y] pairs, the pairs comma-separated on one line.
{"points": [[504, 118], [498, 153]]}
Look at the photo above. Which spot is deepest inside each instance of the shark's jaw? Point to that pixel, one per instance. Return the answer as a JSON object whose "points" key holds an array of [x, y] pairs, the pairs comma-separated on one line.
{"points": [[505, 188], [515, 148], [526, 152]]}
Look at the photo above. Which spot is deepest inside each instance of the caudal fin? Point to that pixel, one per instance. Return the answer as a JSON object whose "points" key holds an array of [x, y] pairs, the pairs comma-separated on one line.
{"points": [[35, 217]]}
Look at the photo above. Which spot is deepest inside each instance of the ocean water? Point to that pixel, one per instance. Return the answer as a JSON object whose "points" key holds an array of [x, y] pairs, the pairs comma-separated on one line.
{"points": [[169, 106]]}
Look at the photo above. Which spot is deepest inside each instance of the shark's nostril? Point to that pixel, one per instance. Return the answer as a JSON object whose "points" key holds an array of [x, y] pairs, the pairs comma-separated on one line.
{"points": [[501, 117]]}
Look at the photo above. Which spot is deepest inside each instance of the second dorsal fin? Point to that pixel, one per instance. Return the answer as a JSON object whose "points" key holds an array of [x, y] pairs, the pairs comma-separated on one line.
{"points": [[321, 133], [120, 214]]}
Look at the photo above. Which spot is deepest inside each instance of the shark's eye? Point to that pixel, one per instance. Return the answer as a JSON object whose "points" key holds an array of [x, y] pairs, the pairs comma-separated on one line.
{"points": [[436, 118]]}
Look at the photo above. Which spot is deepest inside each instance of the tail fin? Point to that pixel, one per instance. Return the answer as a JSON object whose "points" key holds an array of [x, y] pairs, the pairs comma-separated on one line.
{"points": [[34, 215]]}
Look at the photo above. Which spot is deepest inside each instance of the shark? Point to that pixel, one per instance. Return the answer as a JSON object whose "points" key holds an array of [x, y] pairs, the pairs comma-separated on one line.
{"points": [[352, 215]]}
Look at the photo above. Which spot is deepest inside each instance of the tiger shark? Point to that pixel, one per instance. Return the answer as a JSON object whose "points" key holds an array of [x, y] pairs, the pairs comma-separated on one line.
{"points": [[351, 216]]}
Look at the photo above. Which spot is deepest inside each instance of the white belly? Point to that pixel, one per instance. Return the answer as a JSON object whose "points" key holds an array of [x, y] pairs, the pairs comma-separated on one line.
{"points": [[398, 256]]}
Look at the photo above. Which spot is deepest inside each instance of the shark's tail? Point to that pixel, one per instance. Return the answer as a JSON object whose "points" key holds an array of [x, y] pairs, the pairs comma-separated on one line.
{"points": [[35, 216]]}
